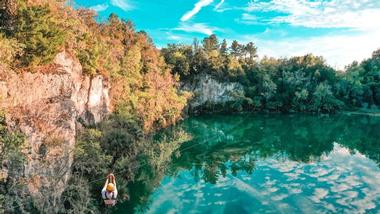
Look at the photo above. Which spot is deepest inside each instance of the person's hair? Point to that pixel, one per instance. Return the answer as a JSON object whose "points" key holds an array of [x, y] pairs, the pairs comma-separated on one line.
{"points": [[109, 186]]}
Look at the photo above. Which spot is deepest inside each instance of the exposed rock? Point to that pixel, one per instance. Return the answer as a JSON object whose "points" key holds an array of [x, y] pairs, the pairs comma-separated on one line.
{"points": [[98, 100], [209, 91], [46, 107], [3, 90]]}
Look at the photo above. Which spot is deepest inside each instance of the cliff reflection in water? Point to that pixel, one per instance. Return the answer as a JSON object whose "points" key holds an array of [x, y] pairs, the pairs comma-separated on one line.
{"points": [[287, 163]]}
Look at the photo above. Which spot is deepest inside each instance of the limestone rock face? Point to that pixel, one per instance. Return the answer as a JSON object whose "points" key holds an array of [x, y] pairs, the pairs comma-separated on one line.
{"points": [[209, 91], [98, 100], [46, 107]]}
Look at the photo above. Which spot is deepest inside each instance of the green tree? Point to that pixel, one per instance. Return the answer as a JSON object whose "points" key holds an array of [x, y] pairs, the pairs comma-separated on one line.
{"points": [[236, 49], [89, 57], [250, 53], [323, 99], [211, 43], [39, 32], [179, 57], [224, 48]]}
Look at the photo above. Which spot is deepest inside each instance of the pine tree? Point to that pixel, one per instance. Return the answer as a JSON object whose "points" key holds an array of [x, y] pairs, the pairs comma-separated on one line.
{"points": [[223, 48], [250, 52], [236, 49], [211, 43]]}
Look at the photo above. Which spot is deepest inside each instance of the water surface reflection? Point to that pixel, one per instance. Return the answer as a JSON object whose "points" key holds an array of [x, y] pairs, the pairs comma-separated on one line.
{"points": [[270, 164]]}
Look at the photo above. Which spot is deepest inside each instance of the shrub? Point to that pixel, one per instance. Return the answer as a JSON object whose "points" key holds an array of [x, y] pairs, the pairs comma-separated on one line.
{"points": [[9, 49]]}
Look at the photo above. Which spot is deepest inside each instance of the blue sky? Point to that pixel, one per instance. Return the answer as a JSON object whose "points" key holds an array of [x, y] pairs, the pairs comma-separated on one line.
{"points": [[339, 30]]}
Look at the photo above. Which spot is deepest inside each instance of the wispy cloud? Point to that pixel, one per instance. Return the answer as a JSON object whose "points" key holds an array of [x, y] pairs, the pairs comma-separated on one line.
{"points": [[338, 50], [197, 7], [359, 14], [172, 36], [197, 28], [249, 19], [219, 5], [99, 7], [122, 4]]}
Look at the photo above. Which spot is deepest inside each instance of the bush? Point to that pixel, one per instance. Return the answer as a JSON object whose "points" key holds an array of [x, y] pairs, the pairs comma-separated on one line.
{"points": [[77, 197], [90, 157], [9, 49]]}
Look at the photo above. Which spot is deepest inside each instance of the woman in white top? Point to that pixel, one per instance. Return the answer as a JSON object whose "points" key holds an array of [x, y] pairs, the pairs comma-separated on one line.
{"points": [[109, 191]]}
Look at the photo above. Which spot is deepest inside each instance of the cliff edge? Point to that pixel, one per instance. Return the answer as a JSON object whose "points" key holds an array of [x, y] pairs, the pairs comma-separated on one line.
{"points": [[48, 108]]}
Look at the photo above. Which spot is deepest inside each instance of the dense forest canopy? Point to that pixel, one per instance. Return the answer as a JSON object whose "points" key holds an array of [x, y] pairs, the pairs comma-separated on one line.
{"points": [[302, 83], [33, 32]]}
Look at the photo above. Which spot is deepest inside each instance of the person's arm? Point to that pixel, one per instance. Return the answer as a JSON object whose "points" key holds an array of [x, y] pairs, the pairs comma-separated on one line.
{"points": [[105, 185], [112, 179], [115, 193], [104, 190]]}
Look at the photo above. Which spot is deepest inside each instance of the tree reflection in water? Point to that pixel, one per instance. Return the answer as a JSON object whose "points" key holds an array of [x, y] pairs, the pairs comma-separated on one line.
{"points": [[232, 144]]}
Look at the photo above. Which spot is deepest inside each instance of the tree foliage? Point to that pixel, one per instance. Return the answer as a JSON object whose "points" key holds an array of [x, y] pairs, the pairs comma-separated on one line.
{"points": [[143, 86], [301, 83], [12, 158], [9, 49], [118, 145], [37, 29]]}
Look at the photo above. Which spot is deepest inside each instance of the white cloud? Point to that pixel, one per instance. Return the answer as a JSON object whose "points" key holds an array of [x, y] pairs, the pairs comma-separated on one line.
{"points": [[338, 50], [219, 5], [197, 28], [171, 36], [197, 7], [249, 17], [122, 4], [174, 37], [358, 14], [99, 7]]}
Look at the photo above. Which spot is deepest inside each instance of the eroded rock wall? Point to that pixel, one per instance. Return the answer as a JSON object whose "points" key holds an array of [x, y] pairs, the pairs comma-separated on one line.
{"points": [[46, 107], [207, 90]]}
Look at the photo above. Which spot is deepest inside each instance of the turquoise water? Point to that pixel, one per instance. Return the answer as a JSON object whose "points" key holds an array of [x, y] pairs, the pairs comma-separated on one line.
{"points": [[268, 164]]}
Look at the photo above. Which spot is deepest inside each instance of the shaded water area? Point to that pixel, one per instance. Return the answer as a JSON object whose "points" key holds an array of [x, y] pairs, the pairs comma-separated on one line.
{"points": [[251, 163]]}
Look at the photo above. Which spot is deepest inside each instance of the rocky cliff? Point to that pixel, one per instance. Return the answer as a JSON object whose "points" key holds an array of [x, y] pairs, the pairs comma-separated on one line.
{"points": [[49, 107], [208, 92]]}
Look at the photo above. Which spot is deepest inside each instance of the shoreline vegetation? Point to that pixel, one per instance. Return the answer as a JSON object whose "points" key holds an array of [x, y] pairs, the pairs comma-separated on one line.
{"points": [[366, 112], [296, 84], [145, 91]]}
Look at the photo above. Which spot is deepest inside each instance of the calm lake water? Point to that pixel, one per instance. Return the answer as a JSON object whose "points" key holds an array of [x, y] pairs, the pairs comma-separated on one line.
{"points": [[273, 163]]}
